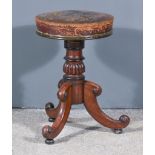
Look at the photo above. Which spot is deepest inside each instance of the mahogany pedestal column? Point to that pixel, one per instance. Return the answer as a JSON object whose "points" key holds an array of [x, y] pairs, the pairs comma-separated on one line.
{"points": [[75, 27]]}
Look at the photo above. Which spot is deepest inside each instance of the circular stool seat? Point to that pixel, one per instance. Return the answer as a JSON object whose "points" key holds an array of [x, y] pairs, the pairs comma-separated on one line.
{"points": [[74, 25]]}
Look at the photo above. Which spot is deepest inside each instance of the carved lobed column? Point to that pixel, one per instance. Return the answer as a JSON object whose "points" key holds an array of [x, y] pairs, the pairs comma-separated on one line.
{"points": [[74, 69]]}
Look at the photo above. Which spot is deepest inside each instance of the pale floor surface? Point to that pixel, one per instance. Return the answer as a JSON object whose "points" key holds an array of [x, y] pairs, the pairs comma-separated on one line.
{"points": [[82, 135]]}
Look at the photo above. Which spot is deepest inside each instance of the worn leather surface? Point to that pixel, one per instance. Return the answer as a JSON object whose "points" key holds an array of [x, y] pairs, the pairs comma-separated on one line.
{"points": [[74, 24]]}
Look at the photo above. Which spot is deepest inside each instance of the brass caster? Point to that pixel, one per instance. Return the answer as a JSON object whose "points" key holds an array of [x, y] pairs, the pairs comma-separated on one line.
{"points": [[49, 141], [51, 119], [117, 131]]}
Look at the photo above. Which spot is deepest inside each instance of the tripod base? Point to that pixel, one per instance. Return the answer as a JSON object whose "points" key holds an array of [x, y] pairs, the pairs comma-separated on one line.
{"points": [[74, 89], [61, 112]]}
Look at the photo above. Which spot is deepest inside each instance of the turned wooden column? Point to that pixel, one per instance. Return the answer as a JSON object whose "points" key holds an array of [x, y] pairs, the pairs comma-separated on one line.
{"points": [[74, 69]]}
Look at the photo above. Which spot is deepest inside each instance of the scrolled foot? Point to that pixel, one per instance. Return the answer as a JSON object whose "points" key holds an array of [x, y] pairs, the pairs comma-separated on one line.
{"points": [[49, 105], [51, 111], [46, 131], [117, 131], [49, 141], [51, 119], [91, 91], [124, 119], [61, 114]]}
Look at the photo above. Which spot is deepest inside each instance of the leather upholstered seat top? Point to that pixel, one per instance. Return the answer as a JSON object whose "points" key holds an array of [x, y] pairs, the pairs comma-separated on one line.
{"points": [[74, 25]]}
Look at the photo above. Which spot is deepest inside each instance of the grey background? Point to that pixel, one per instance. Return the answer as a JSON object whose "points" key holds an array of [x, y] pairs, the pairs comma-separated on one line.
{"points": [[114, 62]]}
